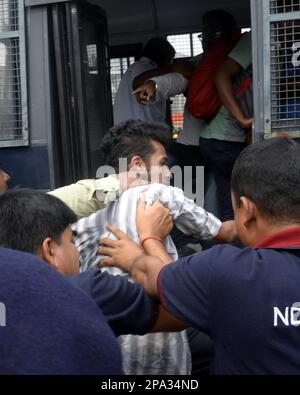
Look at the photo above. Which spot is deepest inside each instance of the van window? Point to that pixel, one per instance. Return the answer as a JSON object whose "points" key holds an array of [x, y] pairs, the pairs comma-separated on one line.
{"points": [[118, 67], [13, 98]]}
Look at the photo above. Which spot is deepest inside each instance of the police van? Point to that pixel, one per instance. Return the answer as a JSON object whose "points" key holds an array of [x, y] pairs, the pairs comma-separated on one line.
{"points": [[61, 63]]}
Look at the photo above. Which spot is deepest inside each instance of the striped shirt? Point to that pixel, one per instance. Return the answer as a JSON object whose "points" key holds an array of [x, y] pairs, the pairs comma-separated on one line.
{"points": [[159, 353]]}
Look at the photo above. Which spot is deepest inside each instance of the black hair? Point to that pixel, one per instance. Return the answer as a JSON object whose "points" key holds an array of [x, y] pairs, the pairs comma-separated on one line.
{"points": [[268, 173], [219, 20], [159, 50], [28, 217], [131, 138]]}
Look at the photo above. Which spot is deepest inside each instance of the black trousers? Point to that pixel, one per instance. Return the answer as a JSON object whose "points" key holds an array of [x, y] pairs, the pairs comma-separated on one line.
{"points": [[221, 156], [183, 155]]}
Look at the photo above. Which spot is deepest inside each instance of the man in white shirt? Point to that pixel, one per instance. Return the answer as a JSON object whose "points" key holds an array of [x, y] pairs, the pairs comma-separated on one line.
{"points": [[157, 53]]}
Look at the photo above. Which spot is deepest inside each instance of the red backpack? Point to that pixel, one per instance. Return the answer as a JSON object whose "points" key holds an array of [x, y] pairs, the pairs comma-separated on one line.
{"points": [[202, 97]]}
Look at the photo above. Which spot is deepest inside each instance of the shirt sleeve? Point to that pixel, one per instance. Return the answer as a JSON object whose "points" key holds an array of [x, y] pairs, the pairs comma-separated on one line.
{"points": [[141, 66], [107, 189], [170, 85], [242, 52], [87, 232], [126, 306], [81, 197], [188, 217], [185, 289]]}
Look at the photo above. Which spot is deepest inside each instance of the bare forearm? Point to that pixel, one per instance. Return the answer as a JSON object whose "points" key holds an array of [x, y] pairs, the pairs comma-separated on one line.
{"points": [[157, 249], [184, 68], [225, 90], [223, 80], [227, 232], [145, 271], [141, 78], [167, 322]]}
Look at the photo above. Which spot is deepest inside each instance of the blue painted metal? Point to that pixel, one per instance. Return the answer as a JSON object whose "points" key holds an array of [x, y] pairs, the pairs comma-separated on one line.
{"points": [[28, 166]]}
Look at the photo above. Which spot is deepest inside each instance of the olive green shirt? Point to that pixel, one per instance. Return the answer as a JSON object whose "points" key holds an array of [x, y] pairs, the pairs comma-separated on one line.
{"points": [[85, 197]]}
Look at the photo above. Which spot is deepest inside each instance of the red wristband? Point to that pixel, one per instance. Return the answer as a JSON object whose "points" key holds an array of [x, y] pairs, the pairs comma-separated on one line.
{"points": [[151, 238]]}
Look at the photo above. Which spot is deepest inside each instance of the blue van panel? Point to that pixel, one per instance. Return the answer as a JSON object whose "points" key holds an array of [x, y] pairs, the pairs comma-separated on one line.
{"points": [[28, 166]]}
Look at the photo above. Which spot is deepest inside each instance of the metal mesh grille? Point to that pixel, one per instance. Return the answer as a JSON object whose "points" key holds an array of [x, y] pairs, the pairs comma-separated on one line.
{"points": [[196, 44], [186, 45], [284, 6], [118, 67], [182, 45], [285, 75], [92, 58], [10, 90], [9, 15]]}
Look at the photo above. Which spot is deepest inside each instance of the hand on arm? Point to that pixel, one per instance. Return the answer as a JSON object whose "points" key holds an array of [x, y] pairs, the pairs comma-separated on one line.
{"points": [[227, 232], [154, 221], [124, 253], [128, 256], [153, 225], [184, 67], [223, 81], [145, 271], [121, 252]]}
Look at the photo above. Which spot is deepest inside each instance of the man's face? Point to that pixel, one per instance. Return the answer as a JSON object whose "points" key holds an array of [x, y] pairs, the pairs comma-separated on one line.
{"points": [[4, 178], [209, 37], [67, 254], [157, 165]]}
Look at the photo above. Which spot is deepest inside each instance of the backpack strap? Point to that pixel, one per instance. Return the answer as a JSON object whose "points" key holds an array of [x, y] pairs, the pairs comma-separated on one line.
{"points": [[244, 85]]}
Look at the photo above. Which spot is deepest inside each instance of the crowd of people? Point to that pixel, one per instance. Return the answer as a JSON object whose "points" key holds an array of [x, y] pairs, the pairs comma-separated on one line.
{"points": [[91, 277]]}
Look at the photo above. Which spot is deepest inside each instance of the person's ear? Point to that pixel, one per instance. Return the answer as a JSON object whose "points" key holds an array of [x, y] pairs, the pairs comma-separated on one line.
{"points": [[47, 252], [136, 162], [248, 210]]}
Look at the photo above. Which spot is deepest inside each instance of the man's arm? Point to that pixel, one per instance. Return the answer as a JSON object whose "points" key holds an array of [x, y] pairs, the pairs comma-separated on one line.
{"points": [[184, 67], [85, 197], [223, 80], [167, 322], [126, 306], [153, 225], [190, 275], [147, 75], [192, 219], [145, 271], [161, 87], [80, 197], [227, 233], [128, 256]]}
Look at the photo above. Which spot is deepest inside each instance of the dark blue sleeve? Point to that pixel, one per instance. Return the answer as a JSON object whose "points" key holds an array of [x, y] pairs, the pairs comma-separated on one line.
{"points": [[126, 306], [184, 289]]}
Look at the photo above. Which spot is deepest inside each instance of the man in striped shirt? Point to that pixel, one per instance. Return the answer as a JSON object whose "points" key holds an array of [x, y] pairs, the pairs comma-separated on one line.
{"points": [[143, 147]]}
